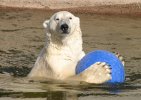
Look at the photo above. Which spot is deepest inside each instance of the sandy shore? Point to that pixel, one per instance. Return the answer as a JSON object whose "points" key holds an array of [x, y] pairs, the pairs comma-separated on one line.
{"points": [[118, 7]]}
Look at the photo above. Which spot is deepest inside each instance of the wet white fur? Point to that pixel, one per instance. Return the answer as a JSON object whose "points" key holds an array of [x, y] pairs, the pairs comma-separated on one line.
{"points": [[61, 53]]}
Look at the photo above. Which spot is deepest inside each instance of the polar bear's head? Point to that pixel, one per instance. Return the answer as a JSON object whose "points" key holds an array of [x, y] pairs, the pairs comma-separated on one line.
{"points": [[62, 23]]}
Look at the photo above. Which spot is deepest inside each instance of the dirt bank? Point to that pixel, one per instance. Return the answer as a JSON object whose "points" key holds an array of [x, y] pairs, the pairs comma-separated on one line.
{"points": [[58, 4], [126, 7]]}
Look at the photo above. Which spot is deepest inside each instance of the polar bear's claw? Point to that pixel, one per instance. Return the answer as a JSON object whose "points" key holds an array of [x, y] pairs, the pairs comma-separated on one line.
{"points": [[120, 57], [97, 73]]}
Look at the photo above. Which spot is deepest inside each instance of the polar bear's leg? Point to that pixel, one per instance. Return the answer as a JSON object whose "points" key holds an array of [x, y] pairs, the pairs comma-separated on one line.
{"points": [[97, 73], [40, 69]]}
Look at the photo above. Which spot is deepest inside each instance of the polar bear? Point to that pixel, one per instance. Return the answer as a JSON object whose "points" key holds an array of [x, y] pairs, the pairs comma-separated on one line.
{"points": [[63, 50]]}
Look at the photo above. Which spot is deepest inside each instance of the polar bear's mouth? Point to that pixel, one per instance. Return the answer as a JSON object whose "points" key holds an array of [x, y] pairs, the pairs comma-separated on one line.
{"points": [[64, 28]]}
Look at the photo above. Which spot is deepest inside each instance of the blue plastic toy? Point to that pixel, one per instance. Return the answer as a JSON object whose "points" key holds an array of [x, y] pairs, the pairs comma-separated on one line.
{"points": [[118, 73]]}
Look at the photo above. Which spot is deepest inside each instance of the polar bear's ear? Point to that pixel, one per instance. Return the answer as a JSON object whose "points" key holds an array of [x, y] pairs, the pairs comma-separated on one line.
{"points": [[45, 24]]}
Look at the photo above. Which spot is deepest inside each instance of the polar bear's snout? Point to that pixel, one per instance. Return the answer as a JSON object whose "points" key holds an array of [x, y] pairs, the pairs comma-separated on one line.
{"points": [[64, 28]]}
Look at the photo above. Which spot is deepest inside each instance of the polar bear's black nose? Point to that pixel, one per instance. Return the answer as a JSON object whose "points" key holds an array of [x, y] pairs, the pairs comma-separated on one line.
{"points": [[64, 28]]}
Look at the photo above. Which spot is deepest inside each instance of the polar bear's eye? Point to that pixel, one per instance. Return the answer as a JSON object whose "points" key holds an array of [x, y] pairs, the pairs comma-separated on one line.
{"points": [[57, 18], [70, 18]]}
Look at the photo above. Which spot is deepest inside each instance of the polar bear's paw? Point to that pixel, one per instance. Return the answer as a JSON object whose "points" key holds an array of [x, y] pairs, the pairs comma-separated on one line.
{"points": [[120, 57], [97, 73]]}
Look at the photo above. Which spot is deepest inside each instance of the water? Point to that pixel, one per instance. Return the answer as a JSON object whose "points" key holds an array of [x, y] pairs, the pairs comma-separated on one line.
{"points": [[22, 37]]}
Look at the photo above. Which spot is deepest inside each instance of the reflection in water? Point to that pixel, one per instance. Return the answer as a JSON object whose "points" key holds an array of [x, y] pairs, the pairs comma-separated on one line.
{"points": [[22, 37], [56, 95], [51, 95], [60, 90]]}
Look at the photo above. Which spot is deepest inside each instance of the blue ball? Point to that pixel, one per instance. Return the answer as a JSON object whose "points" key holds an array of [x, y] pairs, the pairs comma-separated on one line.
{"points": [[117, 68]]}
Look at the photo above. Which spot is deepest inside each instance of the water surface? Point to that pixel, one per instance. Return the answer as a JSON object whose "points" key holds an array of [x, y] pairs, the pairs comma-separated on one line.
{"points": [[22, 37]]}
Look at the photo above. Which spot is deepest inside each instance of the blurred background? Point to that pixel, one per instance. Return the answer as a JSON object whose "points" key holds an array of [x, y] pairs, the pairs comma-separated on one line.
{"points": [[83, 6]]}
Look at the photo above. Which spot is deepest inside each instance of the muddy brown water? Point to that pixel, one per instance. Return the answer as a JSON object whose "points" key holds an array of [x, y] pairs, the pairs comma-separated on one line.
{"points": [[22, 36]]}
